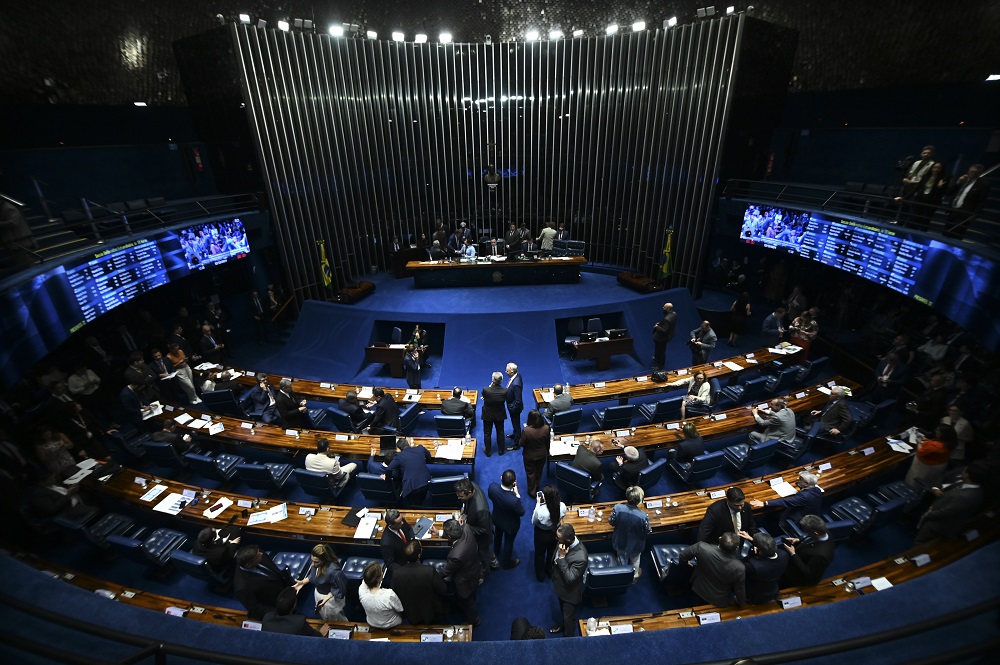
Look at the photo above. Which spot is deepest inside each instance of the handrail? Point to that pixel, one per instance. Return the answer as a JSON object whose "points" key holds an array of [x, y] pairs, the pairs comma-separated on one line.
{"points": [[282, 309]]}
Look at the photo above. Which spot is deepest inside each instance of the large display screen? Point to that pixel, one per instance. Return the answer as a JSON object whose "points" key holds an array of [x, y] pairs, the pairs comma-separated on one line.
{"points": [[43, 312], [957, 282]]}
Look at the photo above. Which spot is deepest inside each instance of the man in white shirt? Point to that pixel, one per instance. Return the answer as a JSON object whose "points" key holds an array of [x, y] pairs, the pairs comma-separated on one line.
{"points": [[323, 462]]}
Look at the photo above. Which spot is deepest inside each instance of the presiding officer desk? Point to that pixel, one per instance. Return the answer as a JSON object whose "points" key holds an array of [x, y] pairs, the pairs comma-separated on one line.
{"points": [[486, 271], [239, 432], [226, 616], [640, 386], [714, 426], [897, 569]]}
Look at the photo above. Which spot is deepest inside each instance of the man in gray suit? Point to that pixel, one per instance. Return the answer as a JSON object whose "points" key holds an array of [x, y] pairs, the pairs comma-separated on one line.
{"points": [[953, 506], [778, 422], [561, 402], [719, 576], [702, 341], [567, 577]]}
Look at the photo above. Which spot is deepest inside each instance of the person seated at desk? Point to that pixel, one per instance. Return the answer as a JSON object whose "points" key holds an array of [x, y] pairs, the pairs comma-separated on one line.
{"points": [[262, 399], [587, 460], [810, 556], [561, 400], [692, 445], [833, 419], [778, 422], [699, 391], [807, 501], [411, 462], [468, 251], [218, 551], [181, 443], [627, 468], [386, 413], [457, 406], [323, 461], [284, 619], [294, 412], [350, 405]]}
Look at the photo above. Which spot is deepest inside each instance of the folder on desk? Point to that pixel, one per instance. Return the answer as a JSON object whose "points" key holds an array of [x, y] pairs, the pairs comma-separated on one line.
{"points": [[422, 527]]}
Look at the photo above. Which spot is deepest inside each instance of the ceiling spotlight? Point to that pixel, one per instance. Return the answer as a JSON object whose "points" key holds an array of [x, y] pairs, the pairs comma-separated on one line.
{"points": [[245, 19], [670, 22], [298, 23], [420, 38], [531, 35], [578, 33], [611, 29], [307, 24], [993, 77], [638, 26], [138, 103], [556, 34], [445, 38], [372, 34], [730, 10], [337, 30], [710, 10], [398, 36], [283, 26]]}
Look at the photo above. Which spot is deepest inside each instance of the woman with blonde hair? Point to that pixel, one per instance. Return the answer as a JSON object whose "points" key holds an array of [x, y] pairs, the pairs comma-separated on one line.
{"points": [[329, 583]]}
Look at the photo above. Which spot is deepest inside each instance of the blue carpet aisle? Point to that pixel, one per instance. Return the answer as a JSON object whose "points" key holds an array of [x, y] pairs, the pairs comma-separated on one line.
{"points": [[484, 328]]}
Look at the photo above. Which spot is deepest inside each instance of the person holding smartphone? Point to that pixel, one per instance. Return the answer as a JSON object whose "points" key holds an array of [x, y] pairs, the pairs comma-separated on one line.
{"points": [[549, 511]]}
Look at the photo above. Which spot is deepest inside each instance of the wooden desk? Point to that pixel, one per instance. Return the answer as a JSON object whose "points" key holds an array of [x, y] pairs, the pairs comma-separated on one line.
{"points": [[391, 355], [223, 616], [484, 272], [272, 437], [942, 553], [325, 526], [668, 434], [322, 391], [601, 351], [639, 386]]}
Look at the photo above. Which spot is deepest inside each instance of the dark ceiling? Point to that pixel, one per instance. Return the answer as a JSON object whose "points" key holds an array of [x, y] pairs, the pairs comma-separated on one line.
{"points": [[119, 51]]}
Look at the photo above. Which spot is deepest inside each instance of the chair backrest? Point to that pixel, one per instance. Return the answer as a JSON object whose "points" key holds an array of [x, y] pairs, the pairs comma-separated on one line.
{"points": [[163, 454], [811, 368], [450, 426], [754, 389], [595, 325], [377, 490], [191, 564], [441, 490], [573, 482], [341, 420], [714, 387], [408, 417], [606, 576], [667, 409], [574, 326], [224, 402], [618, 416], [840, 529], [297, 563], [316, 483], [784, 378], [256, 476], [204, 466], [885, 513], [567, 422], [705, 466], [397, 335], [652, 473], [760, 453]]}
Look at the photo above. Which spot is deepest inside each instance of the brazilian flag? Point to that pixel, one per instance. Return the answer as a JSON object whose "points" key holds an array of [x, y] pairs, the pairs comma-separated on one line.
{"points": [[666, 263], [324, 265]]}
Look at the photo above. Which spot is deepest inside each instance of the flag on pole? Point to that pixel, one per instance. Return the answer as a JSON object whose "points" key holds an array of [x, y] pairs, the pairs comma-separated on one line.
{"points": [[666, 264], [324, 265]]}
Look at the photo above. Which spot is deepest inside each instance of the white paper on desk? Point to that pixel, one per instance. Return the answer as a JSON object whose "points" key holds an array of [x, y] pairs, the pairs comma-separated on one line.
{"points": [[751, 361], [244, 503], [183, 418], [641, 379], [222, 504], [823, 389], [341, 437], [339, 634], [365, 392], [258, 518], [621, 629], [654, 504], [248, 373], [599, 631], [717, 494], [156, 491], [868, 451], [681, 372], [366, 527], [155, 411], [560, 448], [673, 425], [206, 365], [881, 584], [175, 611], [197, 424], [776, 351], [413, 391], [719, 416], [246, 425], [825, 466], [215, 428], [776, 481], [600, 384], [784, 489], [465, 399], [291, 432], [791, 348], [900, 447], [397, 346], [323, 384], [171, 504], [431, 637], [622, 432], [548, 395], [729, 364], [450, 451], [277, 513], [799, 395], [709, 617]]}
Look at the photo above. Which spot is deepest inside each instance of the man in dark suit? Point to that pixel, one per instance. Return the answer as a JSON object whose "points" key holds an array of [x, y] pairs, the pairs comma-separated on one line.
{"points": [[258, 581], [456, 406], [729, 515], [410, 463], [587, 460], [411, 365], [512, 240], [561, 400], [764, 567], [211, 350], [663, 332], [419, 587], [138, 373], [169, 434], [807, 501], [567, 577], [702, 343], [809, 556], [386, 413], [628, 466], [258, 312], [396, 535], [475, 512], [293, 411], [218, 553], [832, 420], [134, 406], [890, 376], [494, 413], [355, 411], [284, 619], [953, 506], [774, 326], [507, 513], [969, 196], [514, 406], [720, 577], [262, 397], [463, 568]]}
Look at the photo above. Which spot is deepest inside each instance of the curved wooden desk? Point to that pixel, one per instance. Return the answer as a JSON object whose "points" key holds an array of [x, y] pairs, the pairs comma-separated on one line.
{"points": [[639, 386]]}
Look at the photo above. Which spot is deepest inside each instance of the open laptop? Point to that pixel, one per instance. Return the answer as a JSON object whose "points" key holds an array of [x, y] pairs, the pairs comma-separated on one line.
{"points": [[387, 442], [617, 333], [588, 337]]}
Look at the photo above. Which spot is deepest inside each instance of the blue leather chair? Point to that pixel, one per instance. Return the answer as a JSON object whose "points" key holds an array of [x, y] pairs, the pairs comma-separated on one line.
{"points": [[77, 519], [594, 325], [810, 369], [225, 403], [793, 450], [783, 380], [574, 483], [378, 491], [154, 548], [163, 454], [397, 336], [868, 415], [838, 529], [270, 476], [317, 417], [340, 420], [573, 329], [696, 409], [408, 418], [441, 491], [615, 417], [900, 490], [748, 391], [110, 524], [652, 473], [450, 427], [317, 484], [605, 577], [128, 440], [743, 457], [664, 409], [196, 566], [867, 517], [565, 422], [221, 467], [700, 468], [669, 571], [296, 563]]}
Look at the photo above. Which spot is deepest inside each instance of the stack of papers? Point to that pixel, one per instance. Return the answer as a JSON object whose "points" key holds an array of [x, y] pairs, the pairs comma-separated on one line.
{"points": [[365, 392], [197, 424], [782, 487], [730, 365], [450, 451], [275, 514], [366, 527], [156, 491], [562, 448], [171, 504], [548, 395], [899, 446]]}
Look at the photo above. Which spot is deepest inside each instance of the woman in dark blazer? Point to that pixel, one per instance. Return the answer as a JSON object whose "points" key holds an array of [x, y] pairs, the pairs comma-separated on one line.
{"points": [[494, 412], [534, 449]]}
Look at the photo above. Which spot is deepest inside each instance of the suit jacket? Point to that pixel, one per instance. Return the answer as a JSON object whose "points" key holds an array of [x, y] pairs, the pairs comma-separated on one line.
{"points": [[419, 588], [494, 398], [289, 624], [708, 339], [143, 376], [811, 558], [778, 425], [535, 443], [836, 415], [258, 589], [688, 449], [588, 461], [718, 520], [477, 515], [412, 367], [949, 512], [508, 509], [560, 403], [463, 564], [567, 575], [454, 406], [805, 502], [629, 471], [208, 350], [763, 575], [132, 403], [391, 547], [895, 381], [262, 402], [975, 198], [514, 403], [664, 330], [411, 463], [154, 366], [718, 576], [288, 408], [771, 325], [631, 528], [175, 439], [353, 409], [513, 241], [218, 554], [386, 413]]}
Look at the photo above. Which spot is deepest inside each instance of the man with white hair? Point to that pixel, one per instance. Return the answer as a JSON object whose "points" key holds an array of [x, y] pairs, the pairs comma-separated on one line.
{"points": [[627, 467], [515, 405], [807, 501], [832, 420]]}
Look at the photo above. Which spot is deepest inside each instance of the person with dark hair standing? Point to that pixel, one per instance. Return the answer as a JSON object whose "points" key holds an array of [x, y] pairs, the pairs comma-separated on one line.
{"points": [[475, 512], [219, 553], [410, 463], [567, 577], [258, 581], [411, 363], [419, 587], [764, 567], [731, 514], [284, 619], [720, 577], [740, 312], [138, 373], [663, 332], [395, 537], [463, 568], [548, 513], [810, 556], [534, 449], [494, 413], [969, 196], [508, 509], [383, 608]]}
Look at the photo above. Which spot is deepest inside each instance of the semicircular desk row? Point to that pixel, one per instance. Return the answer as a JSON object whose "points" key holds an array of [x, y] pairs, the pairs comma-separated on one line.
{"points": [[360, 446], [325, 523]]}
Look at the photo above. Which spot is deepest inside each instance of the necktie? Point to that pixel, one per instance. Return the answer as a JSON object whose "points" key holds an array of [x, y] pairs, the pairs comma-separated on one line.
{"points": [[402, 536], [737, 521]]}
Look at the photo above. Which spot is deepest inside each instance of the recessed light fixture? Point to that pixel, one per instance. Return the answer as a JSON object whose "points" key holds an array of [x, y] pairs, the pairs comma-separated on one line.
{"points": [[611, 29], [420, 38], [445, 38], [398, 36], [337, 30], [638, 26], [283, 26]]}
